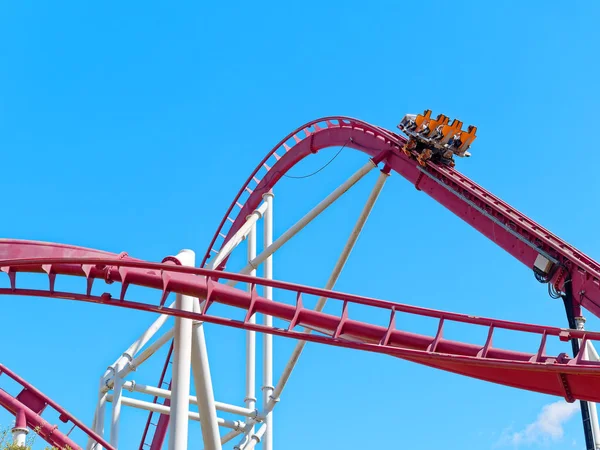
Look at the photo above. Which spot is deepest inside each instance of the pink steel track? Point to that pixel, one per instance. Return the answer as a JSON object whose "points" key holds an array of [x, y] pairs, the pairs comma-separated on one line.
{"points": [[572, 378]]}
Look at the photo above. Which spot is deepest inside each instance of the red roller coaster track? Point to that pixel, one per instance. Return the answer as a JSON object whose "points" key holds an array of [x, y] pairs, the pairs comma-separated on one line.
{"points": [[569, 377], [504, 225]]}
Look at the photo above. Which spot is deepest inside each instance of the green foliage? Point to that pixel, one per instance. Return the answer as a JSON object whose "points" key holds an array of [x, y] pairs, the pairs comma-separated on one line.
{"points": [[7, 444]]}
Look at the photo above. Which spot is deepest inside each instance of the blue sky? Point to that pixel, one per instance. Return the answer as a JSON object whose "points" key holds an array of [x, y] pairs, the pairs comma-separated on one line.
{"points": [[131, 126]]}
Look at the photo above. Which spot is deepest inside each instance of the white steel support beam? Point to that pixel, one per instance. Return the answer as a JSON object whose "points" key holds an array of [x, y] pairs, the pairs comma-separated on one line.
{"points": [[204, 388], [182, 353], [230, 436], [579, 322], [238, 237], [267, 387], [142, 357], [134, 348], [98, 424], [285, 237], [298, 226], [162, 409], [250, 399], [116, 407], [287, 371], [132, 386], [253, 439]]}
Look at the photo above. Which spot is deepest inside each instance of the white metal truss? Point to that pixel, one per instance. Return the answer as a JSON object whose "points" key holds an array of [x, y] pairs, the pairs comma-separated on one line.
{"points": [[190, 357]]}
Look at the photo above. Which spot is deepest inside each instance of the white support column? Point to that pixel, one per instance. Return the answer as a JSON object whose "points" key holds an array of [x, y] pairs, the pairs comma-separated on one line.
{"points": [[182, 353], [298, 226], [287, 371], [134, 348], [98, 425], [142, 357], [250, 399], [580, 324], [162, 409], [204, 388], [116, 407], [132, 386], [267, 387]]}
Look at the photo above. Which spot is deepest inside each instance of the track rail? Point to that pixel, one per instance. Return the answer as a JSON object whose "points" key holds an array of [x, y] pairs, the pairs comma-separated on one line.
{"points": [[504, 225], [572, 378], [33, 403]]}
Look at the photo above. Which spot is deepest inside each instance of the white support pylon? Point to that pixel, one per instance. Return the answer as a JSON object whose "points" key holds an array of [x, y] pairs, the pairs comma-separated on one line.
{"points": [[117, 405], [182, 355], [250, 399], [198, 359], [362, 219], [98, 424], [268, 387], [204, 389]]}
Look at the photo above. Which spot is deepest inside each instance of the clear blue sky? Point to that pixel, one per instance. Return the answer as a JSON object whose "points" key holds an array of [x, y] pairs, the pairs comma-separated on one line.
{"points": [[130, 127]]}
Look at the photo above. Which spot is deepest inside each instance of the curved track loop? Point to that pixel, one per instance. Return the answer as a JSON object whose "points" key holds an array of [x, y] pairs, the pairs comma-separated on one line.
{"points": [[571, 378], [33, 403], [504, 225]]}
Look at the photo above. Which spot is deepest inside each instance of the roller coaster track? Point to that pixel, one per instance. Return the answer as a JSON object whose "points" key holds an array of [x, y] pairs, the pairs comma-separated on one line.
{"points": [[31, 403], [504, 225], [573, 378]]}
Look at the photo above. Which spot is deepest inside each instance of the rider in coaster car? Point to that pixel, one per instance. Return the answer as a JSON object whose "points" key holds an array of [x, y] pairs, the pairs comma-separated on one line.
{"points": [[454, 143], [437, 133]]}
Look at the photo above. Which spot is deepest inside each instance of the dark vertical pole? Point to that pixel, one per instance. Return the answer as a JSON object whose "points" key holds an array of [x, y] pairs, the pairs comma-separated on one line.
{"points": [[585, 408]]}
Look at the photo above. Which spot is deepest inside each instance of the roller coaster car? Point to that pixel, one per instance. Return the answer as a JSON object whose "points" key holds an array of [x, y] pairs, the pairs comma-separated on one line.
{"points": [[436, 139]]}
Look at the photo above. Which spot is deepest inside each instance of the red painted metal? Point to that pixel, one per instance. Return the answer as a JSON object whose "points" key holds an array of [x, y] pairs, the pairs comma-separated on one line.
{"points": [[20, 420], [520, 236], [447, 186], [441, 183], [572, 378], [31, 403]]}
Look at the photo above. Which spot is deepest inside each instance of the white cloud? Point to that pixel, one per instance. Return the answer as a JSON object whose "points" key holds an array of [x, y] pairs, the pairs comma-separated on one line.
{"points": [[547, 427]]}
